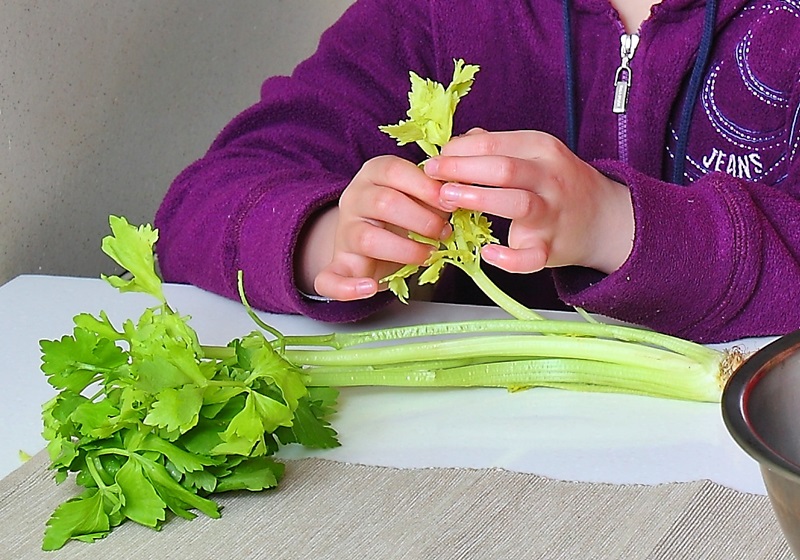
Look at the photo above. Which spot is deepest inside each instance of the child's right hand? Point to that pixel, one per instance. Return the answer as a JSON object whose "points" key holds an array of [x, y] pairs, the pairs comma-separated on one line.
{"points": [[348, 249]]}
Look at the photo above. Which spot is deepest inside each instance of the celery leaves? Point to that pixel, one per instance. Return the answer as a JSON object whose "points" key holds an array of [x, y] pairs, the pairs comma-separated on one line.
{"points": [[430, 125], [152, 423], [431, 109], [471, 230], [131, 248]]}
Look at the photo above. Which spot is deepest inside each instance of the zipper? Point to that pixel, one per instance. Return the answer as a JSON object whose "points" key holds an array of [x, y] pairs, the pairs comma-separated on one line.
{"points": [[623, 76], [622, 85]]}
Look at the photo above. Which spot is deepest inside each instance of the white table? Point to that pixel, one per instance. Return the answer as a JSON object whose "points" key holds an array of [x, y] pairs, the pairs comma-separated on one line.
{"points": [[564, 435]]}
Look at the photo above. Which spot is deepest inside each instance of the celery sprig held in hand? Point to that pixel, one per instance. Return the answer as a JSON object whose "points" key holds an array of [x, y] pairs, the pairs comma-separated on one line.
{"points": [[430, 124]]}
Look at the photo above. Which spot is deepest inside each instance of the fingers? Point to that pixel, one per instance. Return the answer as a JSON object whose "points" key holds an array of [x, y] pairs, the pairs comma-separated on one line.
{"points": [[517, 143], [508, 203], [372, 253], [523, 261], [375, 242], [482, 169], [385, 205], [366, 252], [525, 160], [402, 176], [335, 282], [397, 193], [387, 198], [516, 175]]}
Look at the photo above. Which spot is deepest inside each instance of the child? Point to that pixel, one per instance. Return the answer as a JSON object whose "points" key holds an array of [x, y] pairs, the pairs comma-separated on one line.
{"points": [[647, 175]]}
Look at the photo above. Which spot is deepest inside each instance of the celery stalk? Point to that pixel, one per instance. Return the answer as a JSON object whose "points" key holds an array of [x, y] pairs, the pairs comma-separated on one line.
{"points": [[692, 383]]}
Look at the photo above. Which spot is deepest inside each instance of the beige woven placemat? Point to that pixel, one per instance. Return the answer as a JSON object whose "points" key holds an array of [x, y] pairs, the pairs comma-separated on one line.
{"points": [[331, 510]]}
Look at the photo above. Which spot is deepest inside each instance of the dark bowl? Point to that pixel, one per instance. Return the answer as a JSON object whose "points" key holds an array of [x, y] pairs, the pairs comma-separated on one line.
{"points": [[761, 409]]}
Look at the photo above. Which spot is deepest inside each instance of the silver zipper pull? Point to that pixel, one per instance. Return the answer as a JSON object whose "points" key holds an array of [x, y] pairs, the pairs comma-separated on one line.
{"points": [[623, 76]]}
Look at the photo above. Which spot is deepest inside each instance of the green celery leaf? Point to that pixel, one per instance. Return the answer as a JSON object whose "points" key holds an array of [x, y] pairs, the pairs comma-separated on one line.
{"points": [[73, 362], [267, 364], [57, 415], [133, 404], [204, 438], [404, 132], [176, 409], [249, 431], [62, 452], [431, 109], [157, 373], [323, 401], [252, 474], [226, 468], [271, 412], [84, 516], [431, 274], [185, 462], [166, 340], [463, 77], [216, 398], [311, 430], [132, 249], [201, 480], [101, 326], [246, 425], [96, 419], [397, 281], [178, 499], [142, 503], [233, 444]]}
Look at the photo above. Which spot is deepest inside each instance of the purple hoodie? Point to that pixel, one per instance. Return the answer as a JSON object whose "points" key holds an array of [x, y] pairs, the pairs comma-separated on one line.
{"points": [[714, 260]]}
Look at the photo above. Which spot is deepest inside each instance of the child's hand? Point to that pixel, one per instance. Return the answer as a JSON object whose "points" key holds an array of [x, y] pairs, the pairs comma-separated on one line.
{"points": [[562, 210], [369, 230]]}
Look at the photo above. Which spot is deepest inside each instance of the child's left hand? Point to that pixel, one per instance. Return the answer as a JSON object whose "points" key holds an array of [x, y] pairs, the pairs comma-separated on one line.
{"points": [[562, 210]]}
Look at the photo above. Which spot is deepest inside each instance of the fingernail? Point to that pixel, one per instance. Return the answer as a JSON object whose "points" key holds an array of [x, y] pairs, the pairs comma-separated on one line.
{"points": [[446, 231], [431, 166], [365, 288], [490, 253], [449, 194]]}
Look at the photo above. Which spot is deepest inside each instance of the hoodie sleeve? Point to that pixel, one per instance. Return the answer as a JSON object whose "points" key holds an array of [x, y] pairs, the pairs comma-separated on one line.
{"points": [[714, 261], [243, 205]]}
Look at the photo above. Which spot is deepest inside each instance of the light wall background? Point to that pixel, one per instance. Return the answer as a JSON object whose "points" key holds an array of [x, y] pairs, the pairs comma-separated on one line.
{"points": [[104, 102]]}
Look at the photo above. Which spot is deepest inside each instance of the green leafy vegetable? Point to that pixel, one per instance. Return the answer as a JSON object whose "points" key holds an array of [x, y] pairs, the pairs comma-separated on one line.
{"points": [[431, 109], [129, 247], [150, 425]]}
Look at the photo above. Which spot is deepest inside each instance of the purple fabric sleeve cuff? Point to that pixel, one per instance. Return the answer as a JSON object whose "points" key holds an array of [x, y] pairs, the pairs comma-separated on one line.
{"points": [[685, 266]]}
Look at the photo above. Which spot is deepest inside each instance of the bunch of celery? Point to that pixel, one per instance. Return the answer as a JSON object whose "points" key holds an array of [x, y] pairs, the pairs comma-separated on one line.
{"points": [[153, 422]]}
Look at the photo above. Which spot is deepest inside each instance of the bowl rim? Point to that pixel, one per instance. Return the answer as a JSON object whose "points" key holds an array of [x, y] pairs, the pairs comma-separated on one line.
{"points": [[735, 395]]}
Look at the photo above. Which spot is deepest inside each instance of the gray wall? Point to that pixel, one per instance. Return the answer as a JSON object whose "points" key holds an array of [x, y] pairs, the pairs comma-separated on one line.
{"points": [[103, 102]]}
